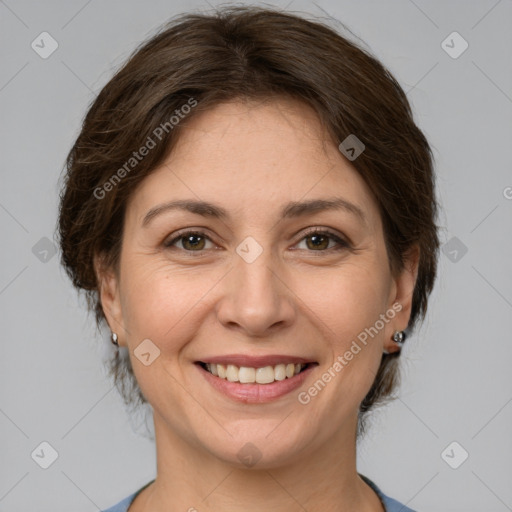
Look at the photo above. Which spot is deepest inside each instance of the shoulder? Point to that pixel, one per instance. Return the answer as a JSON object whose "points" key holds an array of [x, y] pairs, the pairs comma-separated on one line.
{"points": [[123, 505], [394, 506], [390, 504]]}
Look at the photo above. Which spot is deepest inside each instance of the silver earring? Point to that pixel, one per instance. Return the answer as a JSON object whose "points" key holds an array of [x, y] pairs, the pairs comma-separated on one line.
{"points": [[399, 338], [113, 339]]}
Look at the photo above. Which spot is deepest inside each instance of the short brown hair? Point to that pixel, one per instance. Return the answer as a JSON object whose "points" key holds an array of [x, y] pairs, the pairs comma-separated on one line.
{"points": [[248, 53]]}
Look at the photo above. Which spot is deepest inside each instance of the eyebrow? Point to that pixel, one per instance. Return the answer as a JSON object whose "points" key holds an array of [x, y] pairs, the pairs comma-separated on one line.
{"points": [[293, 209]]}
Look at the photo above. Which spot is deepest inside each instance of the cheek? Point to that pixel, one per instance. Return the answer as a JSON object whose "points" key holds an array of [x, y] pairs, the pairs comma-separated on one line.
{"points": [[349, 298], [148, 300], [159, 302], [359, 297], [352, 301]]}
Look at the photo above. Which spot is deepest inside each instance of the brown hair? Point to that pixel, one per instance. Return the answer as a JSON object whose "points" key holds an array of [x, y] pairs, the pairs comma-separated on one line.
{"points": [[249, 53]]}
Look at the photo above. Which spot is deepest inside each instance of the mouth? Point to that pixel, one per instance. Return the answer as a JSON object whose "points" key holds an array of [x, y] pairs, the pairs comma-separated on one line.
{"points": [[252, 375], [255, 379]]}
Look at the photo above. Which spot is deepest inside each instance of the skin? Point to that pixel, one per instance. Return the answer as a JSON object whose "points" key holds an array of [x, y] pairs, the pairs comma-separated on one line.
{"points": [[252, 158]]}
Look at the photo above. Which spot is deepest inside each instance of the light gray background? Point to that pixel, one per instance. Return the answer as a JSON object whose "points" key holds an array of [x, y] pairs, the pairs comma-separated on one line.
{"points": [[456, 385]]}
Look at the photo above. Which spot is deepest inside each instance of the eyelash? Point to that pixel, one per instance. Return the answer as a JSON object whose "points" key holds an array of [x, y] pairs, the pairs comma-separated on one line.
{"points": [[343, 244]]}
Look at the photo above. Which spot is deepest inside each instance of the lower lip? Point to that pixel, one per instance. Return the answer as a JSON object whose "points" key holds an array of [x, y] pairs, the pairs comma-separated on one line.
{"points": [[256, 393]]}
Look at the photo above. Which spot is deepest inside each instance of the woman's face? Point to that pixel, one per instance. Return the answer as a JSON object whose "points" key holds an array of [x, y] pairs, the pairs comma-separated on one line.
{"points": [[269, 281]]}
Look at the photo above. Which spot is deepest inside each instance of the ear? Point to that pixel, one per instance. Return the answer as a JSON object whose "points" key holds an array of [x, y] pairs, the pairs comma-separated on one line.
{"points": [[110, 297], [401, 297]]}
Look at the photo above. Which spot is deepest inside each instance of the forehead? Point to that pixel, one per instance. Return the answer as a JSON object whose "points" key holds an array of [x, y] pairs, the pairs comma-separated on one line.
{"points": [[253, 157], [279, 129]]}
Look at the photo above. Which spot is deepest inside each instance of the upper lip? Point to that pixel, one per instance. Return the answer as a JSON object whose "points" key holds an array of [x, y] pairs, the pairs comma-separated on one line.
{"points": [[255, 361]]}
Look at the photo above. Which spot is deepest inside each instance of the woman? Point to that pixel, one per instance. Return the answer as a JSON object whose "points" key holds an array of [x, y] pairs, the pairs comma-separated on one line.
{"points": [[250, 208]]}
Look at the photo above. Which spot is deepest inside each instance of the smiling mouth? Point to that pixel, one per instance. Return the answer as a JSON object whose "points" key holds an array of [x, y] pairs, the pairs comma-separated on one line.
{"points": [[249, 375]]}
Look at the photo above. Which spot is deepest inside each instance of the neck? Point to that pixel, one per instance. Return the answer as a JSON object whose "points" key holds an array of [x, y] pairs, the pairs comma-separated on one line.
{"points": [[191, 479]]}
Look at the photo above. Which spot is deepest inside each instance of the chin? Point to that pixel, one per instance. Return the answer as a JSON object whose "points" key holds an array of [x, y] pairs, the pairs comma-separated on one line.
{"points": [[260, 446]]}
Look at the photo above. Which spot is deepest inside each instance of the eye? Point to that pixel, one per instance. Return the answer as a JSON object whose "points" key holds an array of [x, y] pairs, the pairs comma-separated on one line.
{"points": [[191, 241], [318, 240], [195, 241]]}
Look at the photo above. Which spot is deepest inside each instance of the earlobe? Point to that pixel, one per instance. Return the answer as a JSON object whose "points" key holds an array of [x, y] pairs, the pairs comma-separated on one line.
{"points": [[108, 292]]}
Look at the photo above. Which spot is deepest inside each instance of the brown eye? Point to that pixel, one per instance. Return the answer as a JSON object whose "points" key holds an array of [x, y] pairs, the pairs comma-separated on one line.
{"points": [[319, 241], [190, 241], [193, 242]]}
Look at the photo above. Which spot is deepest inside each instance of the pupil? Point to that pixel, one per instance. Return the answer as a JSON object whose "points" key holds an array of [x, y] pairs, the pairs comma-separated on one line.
{"points": [[189, 240], [317, 240]]}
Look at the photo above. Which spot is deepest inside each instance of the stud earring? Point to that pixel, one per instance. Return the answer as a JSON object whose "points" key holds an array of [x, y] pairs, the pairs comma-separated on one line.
{"points": [[114, 339], [399, 338]]}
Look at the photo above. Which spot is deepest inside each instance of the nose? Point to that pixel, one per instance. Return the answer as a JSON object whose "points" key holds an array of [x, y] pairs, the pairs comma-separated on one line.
{"points": [[256, 300]]}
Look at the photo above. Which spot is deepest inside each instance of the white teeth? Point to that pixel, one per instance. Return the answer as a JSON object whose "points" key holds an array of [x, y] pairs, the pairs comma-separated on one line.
{"points": [[232, 373], [265, 375], [221, 370], [280, 372], [247, 375]]}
